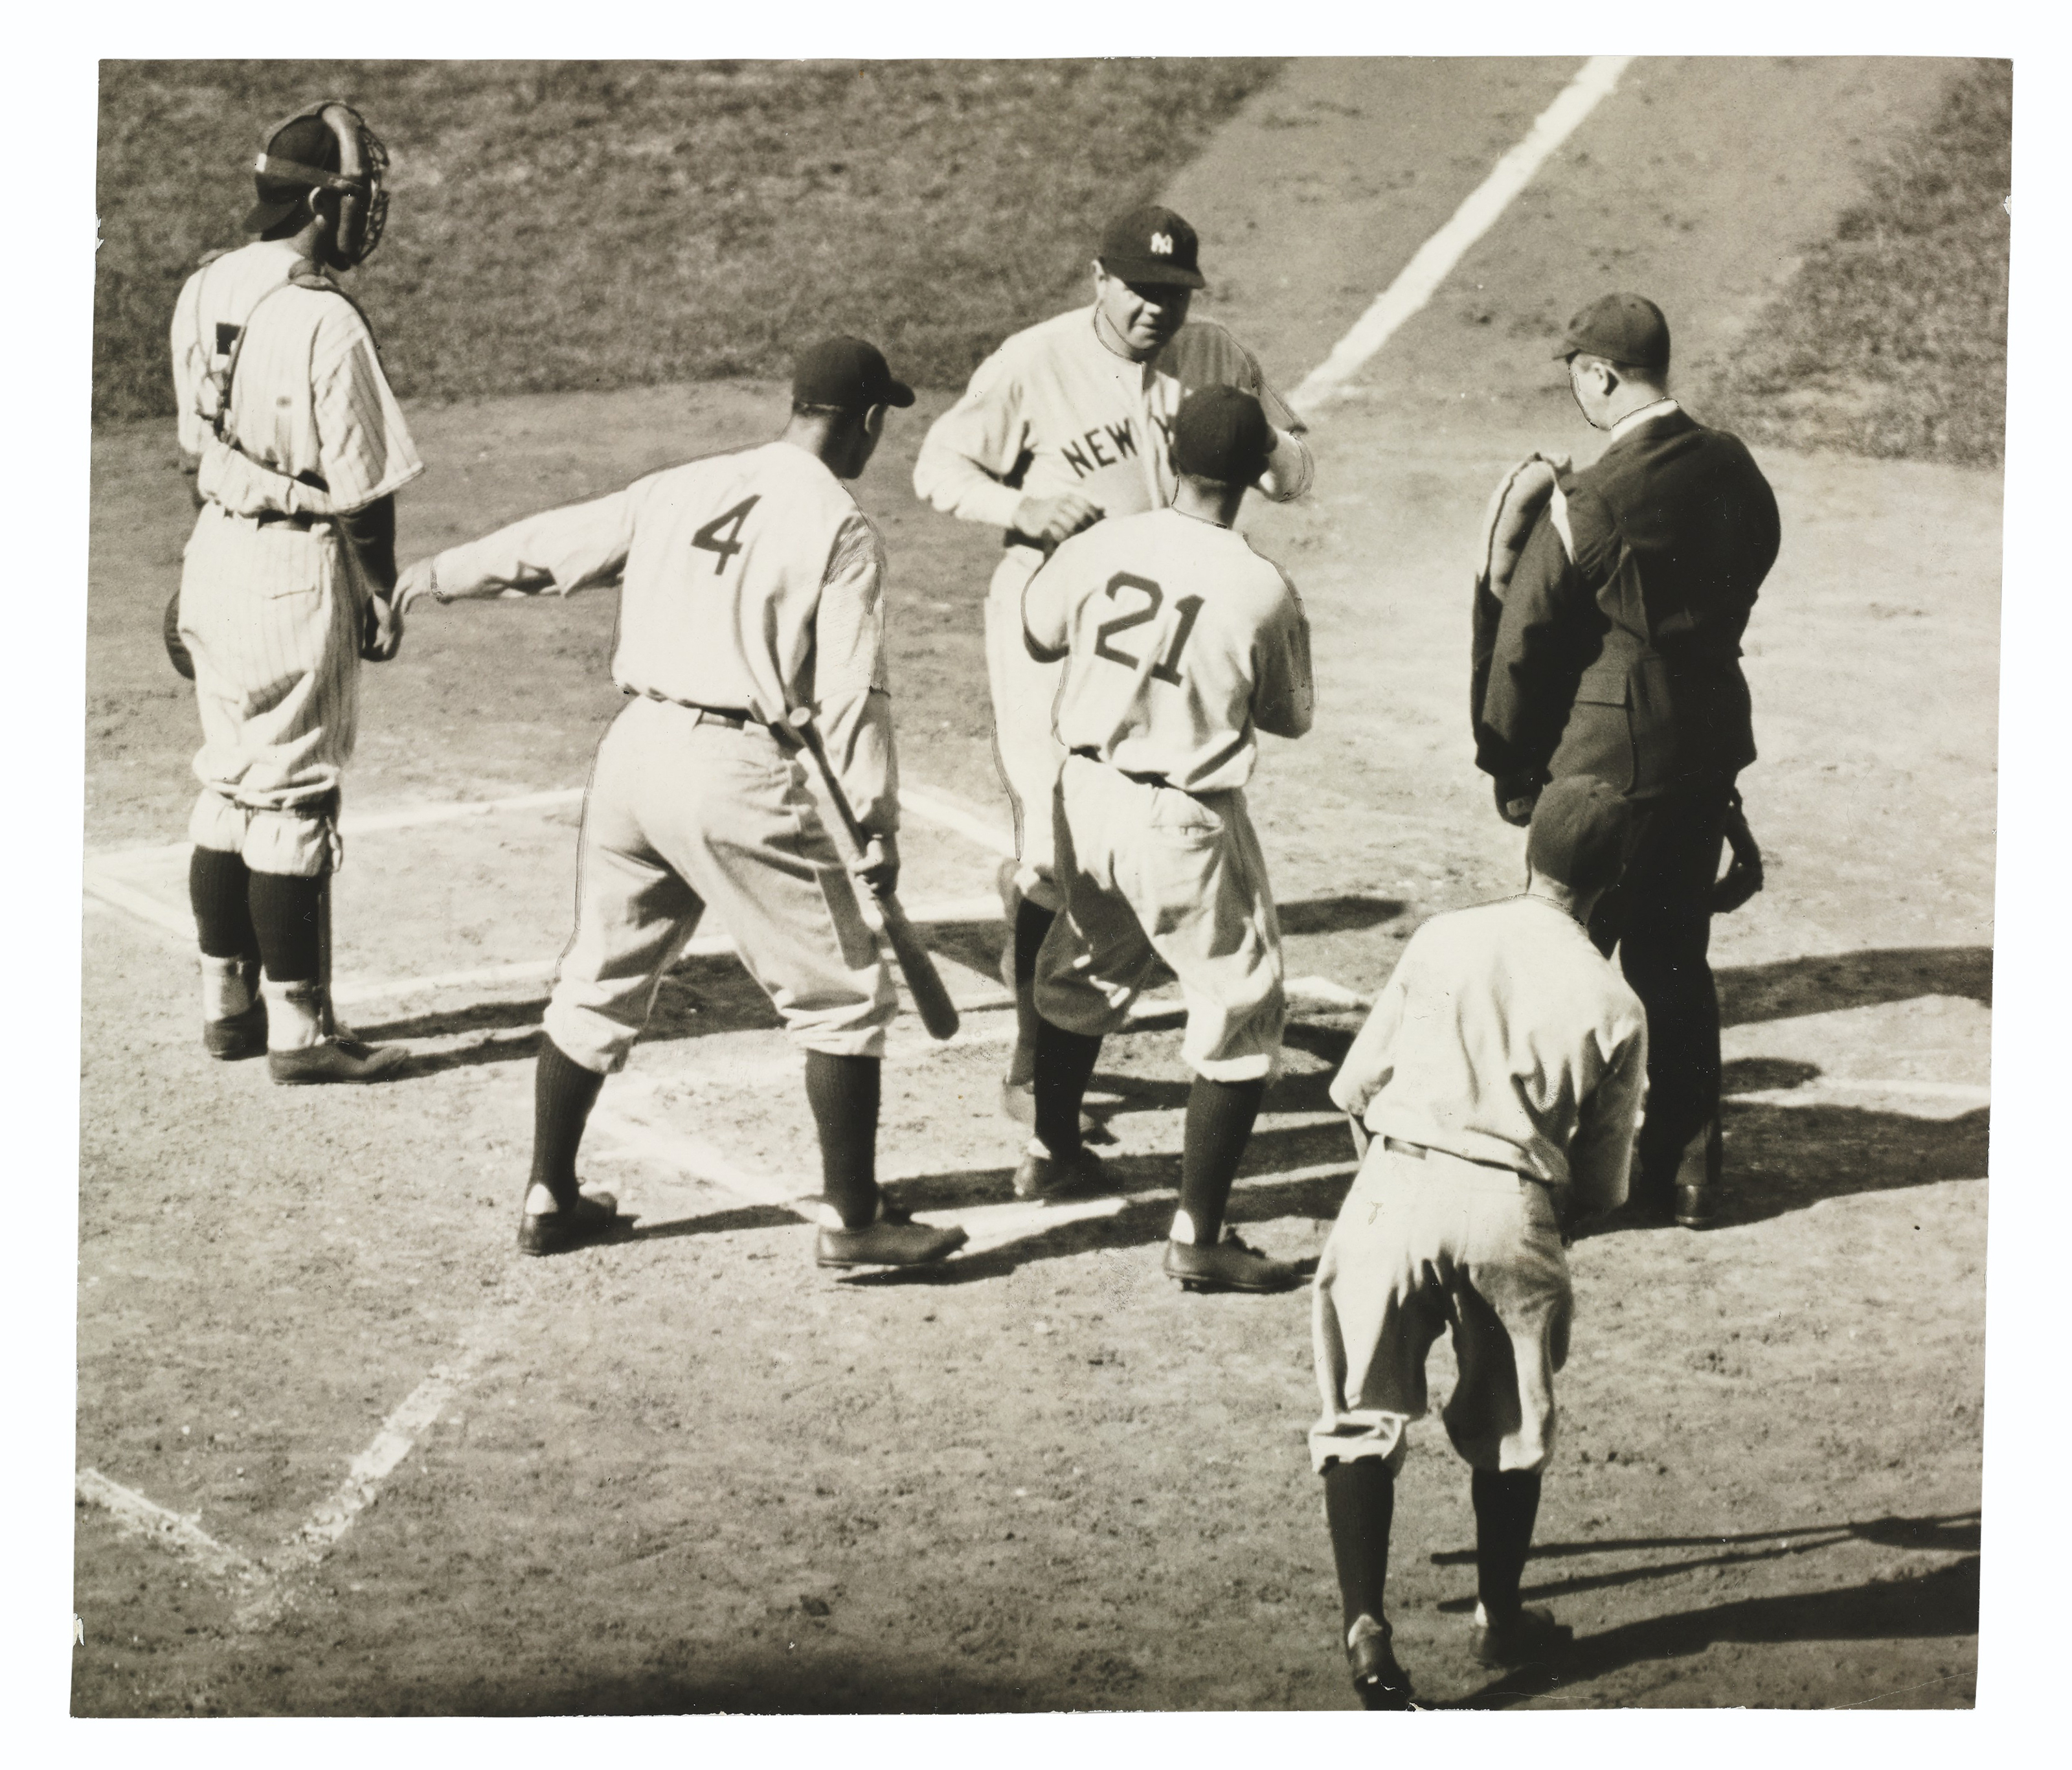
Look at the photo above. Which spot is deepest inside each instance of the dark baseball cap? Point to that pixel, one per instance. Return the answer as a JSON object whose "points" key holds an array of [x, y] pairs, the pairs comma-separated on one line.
{"points": [[847, 373], [306, 141], [1628, 329], [1152, 244], [1579, 832], [1221, 434]]}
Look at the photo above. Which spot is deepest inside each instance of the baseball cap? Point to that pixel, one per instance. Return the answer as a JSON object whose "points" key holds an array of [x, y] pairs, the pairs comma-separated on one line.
{"points": [[1152, 244], [307, 141], [1579, 832], [848, 373], [1627, 329], [1221, 434]]}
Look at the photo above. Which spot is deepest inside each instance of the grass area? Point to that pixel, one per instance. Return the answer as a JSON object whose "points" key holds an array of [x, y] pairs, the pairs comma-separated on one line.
{"points": [[1891, 338], [597, 224]]}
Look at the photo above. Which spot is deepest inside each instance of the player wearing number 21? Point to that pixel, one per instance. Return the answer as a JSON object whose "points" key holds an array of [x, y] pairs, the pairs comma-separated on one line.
{"points": [[1181, 644], [753, 586]]}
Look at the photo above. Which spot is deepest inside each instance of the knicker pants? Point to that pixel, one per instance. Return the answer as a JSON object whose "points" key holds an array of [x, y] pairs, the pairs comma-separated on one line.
{"points": [[1423, 1247], [682, 815], [1152, 873]]}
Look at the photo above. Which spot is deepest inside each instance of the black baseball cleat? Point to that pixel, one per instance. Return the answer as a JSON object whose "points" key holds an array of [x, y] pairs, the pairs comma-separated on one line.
{"points": [[1378, 1680], [242, 1035], [1076, 1176], [1530, 1638], [1697, 1207], [594, 1218], [894, 1240], [1230, 1264], [336, 1059]]}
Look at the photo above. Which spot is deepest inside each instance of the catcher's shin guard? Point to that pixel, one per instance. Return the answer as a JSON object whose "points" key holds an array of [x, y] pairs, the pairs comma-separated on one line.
{"points": [[1698, 1173]]}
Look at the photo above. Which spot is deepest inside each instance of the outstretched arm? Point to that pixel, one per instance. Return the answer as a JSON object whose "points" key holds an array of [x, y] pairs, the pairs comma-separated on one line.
{"points": [[560, 550]]}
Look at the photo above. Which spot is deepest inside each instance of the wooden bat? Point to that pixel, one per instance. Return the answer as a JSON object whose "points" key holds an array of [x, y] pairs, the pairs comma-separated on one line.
{"points": [[931, 1001]]}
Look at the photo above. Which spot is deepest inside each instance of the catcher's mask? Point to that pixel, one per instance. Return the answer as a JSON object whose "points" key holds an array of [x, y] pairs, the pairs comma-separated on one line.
{"points": [[327, 146]]}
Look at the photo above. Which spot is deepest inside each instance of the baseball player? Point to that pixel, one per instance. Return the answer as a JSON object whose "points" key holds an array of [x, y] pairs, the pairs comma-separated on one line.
{"points": [[1067, 422], [1178, 643], [753, 586], [298, 447], [1495, 1090], [1614, 650]]}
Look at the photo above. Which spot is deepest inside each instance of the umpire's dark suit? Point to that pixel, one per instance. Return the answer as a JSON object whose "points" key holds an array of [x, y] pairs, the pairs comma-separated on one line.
{"points": [[1616, 653]]}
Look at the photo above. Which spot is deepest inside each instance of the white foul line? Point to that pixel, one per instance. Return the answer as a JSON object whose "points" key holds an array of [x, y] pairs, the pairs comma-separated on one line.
{"points": [[1420, 279], [141, 1517]]}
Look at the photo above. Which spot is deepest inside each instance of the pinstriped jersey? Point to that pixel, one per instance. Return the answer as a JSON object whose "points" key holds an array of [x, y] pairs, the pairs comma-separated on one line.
{"points": [[308, 399], [1181, 642], [1054, 410], [751, 580]]}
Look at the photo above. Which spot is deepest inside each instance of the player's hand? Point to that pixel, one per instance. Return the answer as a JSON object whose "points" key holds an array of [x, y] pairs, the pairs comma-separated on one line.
{"points": [[1515, 797], [384, 635], [414, 580], [878, 865], [1053, 520]]}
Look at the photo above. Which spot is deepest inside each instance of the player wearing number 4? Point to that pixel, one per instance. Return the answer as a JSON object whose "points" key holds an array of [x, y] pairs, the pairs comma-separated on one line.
{"points": [[753, 586], [1179, 643], [1068, 423]]}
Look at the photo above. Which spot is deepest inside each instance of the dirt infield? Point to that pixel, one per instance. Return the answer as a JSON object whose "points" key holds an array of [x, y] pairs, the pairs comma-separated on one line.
{"points": [[686, 1471]]}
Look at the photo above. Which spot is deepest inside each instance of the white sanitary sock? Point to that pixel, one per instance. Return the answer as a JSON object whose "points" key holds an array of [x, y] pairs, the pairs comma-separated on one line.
{"points": [[227, 986], [294, 1015]]}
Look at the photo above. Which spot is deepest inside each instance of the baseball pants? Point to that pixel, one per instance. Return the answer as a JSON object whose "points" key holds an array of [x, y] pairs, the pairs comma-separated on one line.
{"points": [[1149, 873], [1660, 917], [1436, 1245], [685, 814], [1024, 747]]}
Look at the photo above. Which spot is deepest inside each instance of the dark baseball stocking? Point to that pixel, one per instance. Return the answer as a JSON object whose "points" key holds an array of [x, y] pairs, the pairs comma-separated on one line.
{"points": [[1064, 1065], [1507, 1503], [1219, 1120], [563, 1093], [218, 887], [844, 1094], [287, 913], [1359, 1503]]}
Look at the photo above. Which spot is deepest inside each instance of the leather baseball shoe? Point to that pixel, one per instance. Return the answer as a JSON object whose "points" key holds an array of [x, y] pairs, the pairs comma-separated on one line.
{"points": [[242, 1035], [595, 1217], [1697, 1207], [1378, 1680], [1231, 1265], [894, 1240], [1047, 1176], [1530, 1637], [339, 1058]]}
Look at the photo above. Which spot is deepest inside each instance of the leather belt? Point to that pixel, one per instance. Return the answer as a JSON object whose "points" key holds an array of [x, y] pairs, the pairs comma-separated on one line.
{"points": [[1396, 1146], [1416, 1152], [1141, 780], [268, 519], [733, 718]]}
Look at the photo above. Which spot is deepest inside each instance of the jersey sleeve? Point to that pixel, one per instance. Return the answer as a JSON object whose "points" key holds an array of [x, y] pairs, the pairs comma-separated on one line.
{"points": [[560, 550], [973, 446], [852, 697], [1370, 1065], [1284, 696], [362, 439], [1601, 1156], [1046, 605], [189, 366]]}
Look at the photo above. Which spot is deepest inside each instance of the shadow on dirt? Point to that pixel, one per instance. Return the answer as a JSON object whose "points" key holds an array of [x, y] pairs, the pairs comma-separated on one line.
{"points": [[1781, 1158], [1791, 987], [1945, 1602], [1956, 1533]]}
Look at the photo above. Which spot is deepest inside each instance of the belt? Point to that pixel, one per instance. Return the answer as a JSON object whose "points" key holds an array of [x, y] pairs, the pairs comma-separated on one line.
{"points": [[268, 519], [1141, 780], [735, 718], [1416, 1152]]}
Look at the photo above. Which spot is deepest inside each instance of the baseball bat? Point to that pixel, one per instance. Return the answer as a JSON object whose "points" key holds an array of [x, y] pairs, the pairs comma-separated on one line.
{"points": [[931, 1001]]}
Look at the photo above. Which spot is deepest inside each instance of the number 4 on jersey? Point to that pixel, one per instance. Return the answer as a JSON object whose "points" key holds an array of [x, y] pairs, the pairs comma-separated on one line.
{"points": [[722, 534]]}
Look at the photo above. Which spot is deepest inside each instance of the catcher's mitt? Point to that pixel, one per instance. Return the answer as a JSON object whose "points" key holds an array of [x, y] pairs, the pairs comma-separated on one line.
{"points": [[175, 647], [1507, 520], [1744, 875]]}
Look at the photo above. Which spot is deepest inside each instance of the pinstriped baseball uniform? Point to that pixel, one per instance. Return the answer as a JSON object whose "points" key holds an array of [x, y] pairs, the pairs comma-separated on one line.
{"points": [[270, 608], [752, 584], [1181, 644], [1054, 410]]}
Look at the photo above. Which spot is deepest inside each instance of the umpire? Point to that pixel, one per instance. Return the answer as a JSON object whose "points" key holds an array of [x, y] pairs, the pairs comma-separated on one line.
{"points": [[1614, 651]]}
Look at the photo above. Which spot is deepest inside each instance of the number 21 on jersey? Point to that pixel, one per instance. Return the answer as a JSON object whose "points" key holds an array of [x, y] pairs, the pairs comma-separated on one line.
{"points": [[722, 534], [1119, 590]]}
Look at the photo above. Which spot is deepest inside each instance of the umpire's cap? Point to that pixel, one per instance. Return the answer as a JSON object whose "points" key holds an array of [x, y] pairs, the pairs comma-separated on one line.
{"points": [[1221, 434], [1153, 245], [307, 141], [1579, 833], [1624, 329], [848, 374]]}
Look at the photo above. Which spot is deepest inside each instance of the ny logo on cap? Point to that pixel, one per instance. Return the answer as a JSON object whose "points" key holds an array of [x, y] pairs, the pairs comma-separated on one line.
{"points": [[1161, 245]]}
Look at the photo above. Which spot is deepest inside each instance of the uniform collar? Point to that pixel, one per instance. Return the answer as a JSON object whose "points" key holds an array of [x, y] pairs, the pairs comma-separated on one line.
{"points": [[1645, 414]]}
